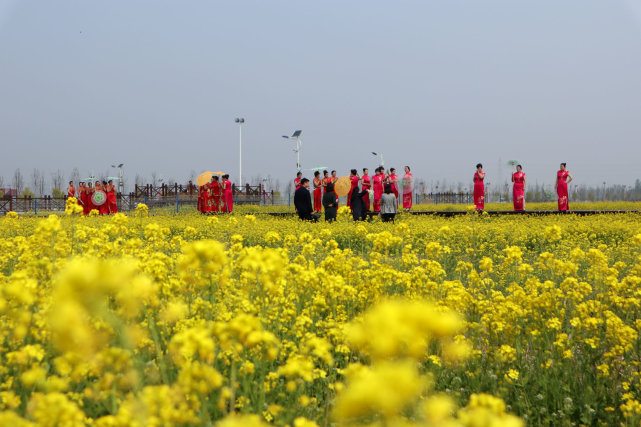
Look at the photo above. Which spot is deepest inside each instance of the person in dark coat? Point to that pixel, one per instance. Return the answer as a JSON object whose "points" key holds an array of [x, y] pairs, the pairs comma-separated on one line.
{"points": [[329, 203], [359, 210], [303, 202]]}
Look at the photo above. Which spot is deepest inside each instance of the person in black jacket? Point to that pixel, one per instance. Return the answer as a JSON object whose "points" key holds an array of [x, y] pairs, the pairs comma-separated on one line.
{"points": [[303, 202], [329, 203], [359, 211]]}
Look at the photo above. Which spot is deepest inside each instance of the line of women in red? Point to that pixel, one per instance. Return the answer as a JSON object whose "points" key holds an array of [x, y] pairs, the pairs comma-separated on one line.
{"points": [[320, 187], [86, 192], [216, 196], [563, 178]]}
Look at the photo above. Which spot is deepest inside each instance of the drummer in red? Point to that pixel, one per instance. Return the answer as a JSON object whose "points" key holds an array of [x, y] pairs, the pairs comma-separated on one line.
{"points": [[71, 190], [104, 208], [88, 194]]}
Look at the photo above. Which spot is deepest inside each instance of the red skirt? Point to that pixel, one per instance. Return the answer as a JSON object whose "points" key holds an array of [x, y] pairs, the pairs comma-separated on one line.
{"points": [[518, 196], [318, 203], [479, 196], [407, 200]]}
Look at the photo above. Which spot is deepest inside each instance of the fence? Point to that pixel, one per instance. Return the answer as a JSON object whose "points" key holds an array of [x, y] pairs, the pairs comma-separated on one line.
{"points": [[154, 197]]}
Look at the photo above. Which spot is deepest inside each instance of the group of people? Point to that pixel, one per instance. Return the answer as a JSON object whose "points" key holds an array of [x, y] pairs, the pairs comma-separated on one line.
{"points": [[563, 178], [383, 186], [216, 196], [85, 196]]}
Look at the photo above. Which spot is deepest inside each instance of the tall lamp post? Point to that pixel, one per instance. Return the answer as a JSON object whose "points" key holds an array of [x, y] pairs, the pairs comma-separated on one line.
{"points": [[296, 137], [240, 121], [380, 158], [121, 184]]}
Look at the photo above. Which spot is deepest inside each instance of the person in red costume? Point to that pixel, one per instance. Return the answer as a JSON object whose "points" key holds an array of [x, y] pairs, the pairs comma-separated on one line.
{"points": [[318, 195], [228, 194], [354, 179], [216, 194], [112, 204], [367, 184], [377, 183], [563, 178], [479, 188]]}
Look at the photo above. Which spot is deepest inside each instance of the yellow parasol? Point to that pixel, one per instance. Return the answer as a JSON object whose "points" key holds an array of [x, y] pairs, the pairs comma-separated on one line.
{"points": [[204, 178], [342, 186], [218, 173]]}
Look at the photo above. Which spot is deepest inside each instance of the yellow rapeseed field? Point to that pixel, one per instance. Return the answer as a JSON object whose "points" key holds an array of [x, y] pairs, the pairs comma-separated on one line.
{"points": [[252, 320]]}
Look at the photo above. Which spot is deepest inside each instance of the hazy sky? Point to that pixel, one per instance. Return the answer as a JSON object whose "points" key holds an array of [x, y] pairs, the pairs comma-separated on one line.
{"points": [[438, 85]]}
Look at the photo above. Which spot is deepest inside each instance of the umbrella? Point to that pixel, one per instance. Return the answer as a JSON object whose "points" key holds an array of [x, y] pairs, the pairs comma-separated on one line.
{"points": [[318, 168], [218, 173], [204, 178], [512, 162], [342, 186]]}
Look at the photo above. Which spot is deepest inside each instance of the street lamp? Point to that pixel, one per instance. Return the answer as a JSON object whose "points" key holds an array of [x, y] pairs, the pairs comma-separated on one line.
{"points": [[296, 137], [380, 156], [121, 184], [240, 121]]}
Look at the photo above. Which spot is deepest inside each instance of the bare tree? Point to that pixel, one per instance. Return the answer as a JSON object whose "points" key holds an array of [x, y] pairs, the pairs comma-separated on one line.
{"points": [[75, 175], [139, 180], [18, 180], [38, 181], [57, 179], [154, 178]]}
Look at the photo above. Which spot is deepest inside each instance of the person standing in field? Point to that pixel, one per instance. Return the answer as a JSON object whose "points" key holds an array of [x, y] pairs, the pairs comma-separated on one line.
{"points": [[518, 191], [71, 190], [359, 212], [333, 180], [408, 184], [563, 178], [377, 183], [228, 194], [389, 204], [479, 188], [112, 204], [367, 184], [329, 203], [392, 179], [354, 180], [303, 202], [318, 185], [297, 180]]}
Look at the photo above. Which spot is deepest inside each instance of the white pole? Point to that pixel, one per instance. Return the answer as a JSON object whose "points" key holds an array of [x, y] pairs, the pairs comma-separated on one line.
{"points": [[298, 153], [240, 154]]}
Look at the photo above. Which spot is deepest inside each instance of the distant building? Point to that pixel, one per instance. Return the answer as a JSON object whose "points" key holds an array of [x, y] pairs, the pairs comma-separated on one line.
{"points": [[9, 192]]}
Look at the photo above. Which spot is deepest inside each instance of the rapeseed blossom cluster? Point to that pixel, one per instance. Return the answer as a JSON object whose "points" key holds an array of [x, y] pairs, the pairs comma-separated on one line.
{"points": [[154, 319]]}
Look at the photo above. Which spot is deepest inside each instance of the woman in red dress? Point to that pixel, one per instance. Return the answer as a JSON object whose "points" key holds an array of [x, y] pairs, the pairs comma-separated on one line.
{"points": [[377, 183], [89, 193], [228, 194], [563, 178], [112, 205], [518, 191], [332, 180], [325, 181], [479, 188], [299, 176], [216, 194], [367, 184], [104, 208], [82, 196], [354, 179], [392, 179], [318, 195], [71, 190], [408, 185], [205, 199]]}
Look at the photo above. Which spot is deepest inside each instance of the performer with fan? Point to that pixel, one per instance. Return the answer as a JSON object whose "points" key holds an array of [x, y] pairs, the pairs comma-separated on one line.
{"points": [[408, 184], [377, 183], [366, 185], [479, 188], [563, 178], [354, 180], [518, 191], [112, 204], [228, 194]]}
